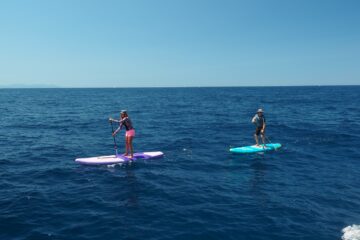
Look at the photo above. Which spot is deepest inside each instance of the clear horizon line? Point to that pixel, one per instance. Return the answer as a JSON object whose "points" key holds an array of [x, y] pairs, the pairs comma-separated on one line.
{"points": [[38, 86]]}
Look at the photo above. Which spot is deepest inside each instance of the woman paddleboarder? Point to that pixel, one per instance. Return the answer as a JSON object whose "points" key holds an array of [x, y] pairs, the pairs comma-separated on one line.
{"points": [[129, 134]]}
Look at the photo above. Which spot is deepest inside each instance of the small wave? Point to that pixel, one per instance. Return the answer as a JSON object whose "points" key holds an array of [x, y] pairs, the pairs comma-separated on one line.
{"points": [[351, 233]]}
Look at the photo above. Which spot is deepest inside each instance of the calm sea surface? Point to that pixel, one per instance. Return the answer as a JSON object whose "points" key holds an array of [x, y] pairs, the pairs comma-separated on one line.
{"points": [[310, 189]]}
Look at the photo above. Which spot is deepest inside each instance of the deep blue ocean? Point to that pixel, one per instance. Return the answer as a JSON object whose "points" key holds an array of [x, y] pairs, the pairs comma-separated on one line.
{"points": [[309, 189]]}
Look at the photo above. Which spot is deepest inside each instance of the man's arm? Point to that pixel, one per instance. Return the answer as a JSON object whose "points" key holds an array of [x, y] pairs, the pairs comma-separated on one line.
{"points": [[253, 119]]}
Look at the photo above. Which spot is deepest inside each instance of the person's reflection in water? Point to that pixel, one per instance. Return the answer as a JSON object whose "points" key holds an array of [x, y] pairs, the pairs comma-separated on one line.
{"points": [[258, 181], [131, 185]]}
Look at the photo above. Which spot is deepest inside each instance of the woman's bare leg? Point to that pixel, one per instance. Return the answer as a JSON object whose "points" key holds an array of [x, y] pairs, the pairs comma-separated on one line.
{"points": [[131, 146], [126, 146]]}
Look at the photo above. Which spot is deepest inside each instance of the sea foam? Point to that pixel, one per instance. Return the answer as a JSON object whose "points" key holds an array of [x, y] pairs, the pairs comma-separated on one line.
{"points": [[351, 233]]}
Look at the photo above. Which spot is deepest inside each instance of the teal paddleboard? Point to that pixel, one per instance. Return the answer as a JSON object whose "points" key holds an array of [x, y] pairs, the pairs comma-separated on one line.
{"points": [[254, 149]]}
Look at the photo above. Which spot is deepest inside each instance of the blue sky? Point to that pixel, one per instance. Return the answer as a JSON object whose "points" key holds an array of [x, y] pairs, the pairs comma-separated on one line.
{"points": [[153, 43]]}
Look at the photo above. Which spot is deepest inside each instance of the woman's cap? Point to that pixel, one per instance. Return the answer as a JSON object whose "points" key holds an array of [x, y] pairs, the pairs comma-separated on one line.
{"points": [[123, 111], [260, 110]]}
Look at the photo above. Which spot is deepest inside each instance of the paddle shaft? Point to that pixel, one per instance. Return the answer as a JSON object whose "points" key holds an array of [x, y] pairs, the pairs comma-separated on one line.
{"points": [[115, 145], [270, 142]]}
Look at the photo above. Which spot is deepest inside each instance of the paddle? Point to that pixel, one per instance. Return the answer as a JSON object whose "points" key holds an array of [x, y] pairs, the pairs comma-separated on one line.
{"points": [[115, 146], [263, 139], [267, 139]]}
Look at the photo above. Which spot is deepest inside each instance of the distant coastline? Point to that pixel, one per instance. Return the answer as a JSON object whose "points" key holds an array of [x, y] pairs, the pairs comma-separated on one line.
{"points": [[28, 86]]}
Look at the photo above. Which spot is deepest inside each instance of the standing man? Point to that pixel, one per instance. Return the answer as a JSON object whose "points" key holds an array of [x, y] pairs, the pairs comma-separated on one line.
{"points": [[259, 121]]}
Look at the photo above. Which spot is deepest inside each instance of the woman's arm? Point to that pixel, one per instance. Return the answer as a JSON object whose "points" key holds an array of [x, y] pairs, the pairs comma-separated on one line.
{"points": [[121, 123], [116, 131], [114, 120]]}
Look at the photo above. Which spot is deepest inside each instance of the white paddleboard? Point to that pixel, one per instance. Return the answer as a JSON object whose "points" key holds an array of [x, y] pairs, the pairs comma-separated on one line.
{"points": [[112, 159]]}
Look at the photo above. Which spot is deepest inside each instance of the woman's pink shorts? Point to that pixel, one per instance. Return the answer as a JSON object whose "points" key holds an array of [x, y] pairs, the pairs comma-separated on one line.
{"points": [[130, 133]]}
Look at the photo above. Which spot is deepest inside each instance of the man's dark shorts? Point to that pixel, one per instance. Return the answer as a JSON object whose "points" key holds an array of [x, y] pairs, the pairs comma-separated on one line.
{"points": [[258, 131]]}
